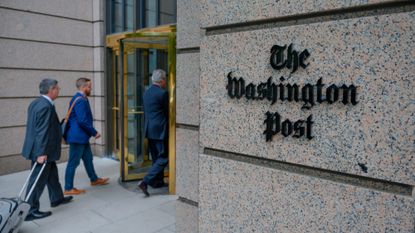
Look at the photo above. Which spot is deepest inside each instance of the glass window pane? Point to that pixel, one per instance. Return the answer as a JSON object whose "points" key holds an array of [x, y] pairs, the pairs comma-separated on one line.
{"points": [[151, 13], [167, 12], [129, 15], [118, 16]]}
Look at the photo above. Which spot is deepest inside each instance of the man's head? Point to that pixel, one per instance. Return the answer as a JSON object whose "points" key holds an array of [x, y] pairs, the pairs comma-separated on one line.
{"points": [[159, 78], [50, 88], [84, 85]]}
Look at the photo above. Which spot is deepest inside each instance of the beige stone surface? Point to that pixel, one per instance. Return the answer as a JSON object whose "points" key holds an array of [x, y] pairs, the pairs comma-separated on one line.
{"points": [[13, 113], [12, 164], [98, 84], [98, 59], [24, 54], [186, 218], [187, 88], [12, 140], [99, 110], [99, 34], [77, 9], [215, 12], [187, 164], [16, 163], [25, 83], [188, 23], [373, 53], [240, 197], [98, 10], [26, 25]]}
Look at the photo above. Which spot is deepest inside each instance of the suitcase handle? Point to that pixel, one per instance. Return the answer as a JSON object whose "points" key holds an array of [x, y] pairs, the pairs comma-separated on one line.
{"points": [[34, 184]]}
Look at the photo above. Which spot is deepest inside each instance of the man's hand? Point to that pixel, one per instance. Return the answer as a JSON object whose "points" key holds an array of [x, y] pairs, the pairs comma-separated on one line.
{"points": [[98, 135], [41, 159]]}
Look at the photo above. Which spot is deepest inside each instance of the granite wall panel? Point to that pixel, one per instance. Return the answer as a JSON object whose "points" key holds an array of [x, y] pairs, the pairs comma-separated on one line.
{"points": [[187, 92], [188, 24], [215, 12], [187, 164], [241, 197], [186, 217], [373, 138]]}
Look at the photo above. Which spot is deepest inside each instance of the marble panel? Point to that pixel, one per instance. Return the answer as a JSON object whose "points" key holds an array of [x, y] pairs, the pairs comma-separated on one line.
{"points": [[241, 197], [373, 138]]}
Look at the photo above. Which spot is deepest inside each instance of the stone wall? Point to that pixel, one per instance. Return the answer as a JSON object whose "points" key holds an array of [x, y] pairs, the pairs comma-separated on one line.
{"points": [[39, 39], [354, 173]]}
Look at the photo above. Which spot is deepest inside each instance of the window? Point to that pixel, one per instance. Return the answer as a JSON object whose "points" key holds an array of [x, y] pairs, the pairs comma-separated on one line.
{"points": [[130, 15]]}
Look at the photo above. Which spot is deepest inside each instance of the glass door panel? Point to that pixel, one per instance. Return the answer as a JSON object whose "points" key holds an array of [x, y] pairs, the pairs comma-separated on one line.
{"points": [[133, 57], [141, 56]]}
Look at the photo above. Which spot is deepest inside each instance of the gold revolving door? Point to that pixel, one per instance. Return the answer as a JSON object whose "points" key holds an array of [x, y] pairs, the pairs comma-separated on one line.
{"points": [[139, 53]]}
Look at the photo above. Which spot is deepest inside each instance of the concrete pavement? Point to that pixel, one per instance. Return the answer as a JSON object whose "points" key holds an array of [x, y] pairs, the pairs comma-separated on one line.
{"points": [[103, 209]]}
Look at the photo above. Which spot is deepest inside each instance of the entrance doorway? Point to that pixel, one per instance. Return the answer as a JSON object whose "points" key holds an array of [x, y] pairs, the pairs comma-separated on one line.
{"points": [[133, 57]]}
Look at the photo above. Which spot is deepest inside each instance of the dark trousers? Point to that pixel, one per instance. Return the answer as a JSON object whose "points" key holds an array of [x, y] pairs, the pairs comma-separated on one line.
{"points": [[48, 177], [160, 161]]}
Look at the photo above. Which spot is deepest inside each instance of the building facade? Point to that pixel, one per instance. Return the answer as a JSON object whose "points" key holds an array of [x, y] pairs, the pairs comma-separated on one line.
{"points": [[295, 116], [63, 40], [287, 116]]}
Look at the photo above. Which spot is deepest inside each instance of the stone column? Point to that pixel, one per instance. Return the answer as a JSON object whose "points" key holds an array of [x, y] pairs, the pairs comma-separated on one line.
{"points": [[357, 172]]}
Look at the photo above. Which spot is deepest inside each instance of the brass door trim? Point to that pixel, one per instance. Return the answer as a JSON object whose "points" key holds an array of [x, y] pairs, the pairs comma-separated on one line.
{"points": [[114, 42]]}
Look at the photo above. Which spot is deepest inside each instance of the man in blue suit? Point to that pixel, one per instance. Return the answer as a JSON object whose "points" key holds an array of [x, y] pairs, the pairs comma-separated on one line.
{"points": [[42, 144], [80, 130], [156, 108]]}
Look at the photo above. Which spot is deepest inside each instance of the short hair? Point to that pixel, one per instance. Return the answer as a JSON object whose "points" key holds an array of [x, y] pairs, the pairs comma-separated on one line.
{"points": [[82, 82], [158, 75], [46, 85]]}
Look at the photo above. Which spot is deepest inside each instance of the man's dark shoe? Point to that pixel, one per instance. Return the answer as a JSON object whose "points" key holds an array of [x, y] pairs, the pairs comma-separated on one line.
{"points": [[64, 200], [157, 185], [37, 215], [143, 187]]}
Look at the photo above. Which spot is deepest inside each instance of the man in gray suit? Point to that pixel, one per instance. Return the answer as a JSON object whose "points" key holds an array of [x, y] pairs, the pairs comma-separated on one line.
{"points": [[42, 144]]}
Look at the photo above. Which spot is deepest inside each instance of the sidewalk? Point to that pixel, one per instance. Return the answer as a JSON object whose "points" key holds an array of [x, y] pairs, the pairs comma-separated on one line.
{"points": [[103, 209]]}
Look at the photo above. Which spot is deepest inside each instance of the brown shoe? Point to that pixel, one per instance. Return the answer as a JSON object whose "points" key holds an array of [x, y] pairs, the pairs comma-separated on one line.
{"points": [[100, 181], [74, 191]]}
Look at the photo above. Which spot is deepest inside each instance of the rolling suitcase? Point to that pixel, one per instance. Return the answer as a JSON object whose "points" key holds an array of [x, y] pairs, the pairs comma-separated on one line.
{"points": [[13, 211]]}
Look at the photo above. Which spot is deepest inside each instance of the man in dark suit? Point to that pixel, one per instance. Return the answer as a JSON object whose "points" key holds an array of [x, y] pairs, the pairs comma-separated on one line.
{"points": [[156, 108], [42, 144], [81, 129]]}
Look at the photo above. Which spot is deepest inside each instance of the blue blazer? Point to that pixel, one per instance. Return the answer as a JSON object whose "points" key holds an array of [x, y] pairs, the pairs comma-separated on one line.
{"points": [[156, 112], [80, 122], [43, 131]]}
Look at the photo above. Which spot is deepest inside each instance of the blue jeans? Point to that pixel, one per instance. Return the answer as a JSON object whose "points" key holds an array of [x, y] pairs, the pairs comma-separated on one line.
{"points": [[160, 161], [76, 153]]}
